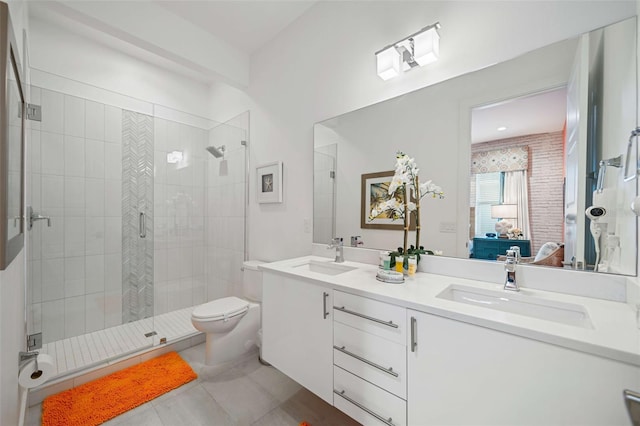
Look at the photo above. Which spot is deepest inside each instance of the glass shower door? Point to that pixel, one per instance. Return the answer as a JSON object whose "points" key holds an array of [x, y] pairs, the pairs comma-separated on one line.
{"points": [[78, 301]]}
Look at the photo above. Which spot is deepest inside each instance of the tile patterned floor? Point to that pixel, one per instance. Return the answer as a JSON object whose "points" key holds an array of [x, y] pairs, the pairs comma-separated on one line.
{"points": [[246, 393], [77, 353]]}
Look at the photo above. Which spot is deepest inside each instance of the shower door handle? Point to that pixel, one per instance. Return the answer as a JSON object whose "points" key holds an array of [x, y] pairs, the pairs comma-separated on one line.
{"points": [[142, 225]]}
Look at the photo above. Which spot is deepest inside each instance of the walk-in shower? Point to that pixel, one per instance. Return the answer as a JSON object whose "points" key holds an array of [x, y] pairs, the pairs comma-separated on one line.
{"points": [[138, 237]]}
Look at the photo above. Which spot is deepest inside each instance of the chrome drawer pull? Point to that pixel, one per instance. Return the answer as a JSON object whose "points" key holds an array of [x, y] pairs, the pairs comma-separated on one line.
{"points": [[325, 314], [347, 311], [366, 361], [414, 334], [362, 407]]}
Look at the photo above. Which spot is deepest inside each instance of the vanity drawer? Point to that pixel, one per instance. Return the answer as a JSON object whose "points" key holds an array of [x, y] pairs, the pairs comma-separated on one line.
{"points": [[365, 402], [379, 318], [372, 358]]}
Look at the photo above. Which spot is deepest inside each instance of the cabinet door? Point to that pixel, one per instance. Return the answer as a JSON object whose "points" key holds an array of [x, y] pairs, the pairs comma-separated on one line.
{"points": [[297, 330], [464, 374]]}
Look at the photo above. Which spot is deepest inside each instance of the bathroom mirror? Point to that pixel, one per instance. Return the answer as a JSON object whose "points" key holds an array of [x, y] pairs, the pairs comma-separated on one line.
{"points": [[435, 125], [11, 145]]}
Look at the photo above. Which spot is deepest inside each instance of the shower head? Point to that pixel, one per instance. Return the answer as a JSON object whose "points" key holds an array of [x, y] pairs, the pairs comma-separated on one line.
{"points": [[216, 152]]}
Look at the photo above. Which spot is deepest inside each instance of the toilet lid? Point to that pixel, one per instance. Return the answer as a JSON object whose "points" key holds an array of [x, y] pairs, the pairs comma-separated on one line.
{"points": [[221, 308]]}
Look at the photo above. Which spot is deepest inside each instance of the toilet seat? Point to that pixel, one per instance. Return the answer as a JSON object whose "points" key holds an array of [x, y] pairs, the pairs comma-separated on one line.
{"points": [[221, 309]]}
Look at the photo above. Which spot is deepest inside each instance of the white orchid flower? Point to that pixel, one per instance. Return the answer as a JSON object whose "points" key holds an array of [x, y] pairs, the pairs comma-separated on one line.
{"points": [[374, 213], [399, 179], [429, 187]]}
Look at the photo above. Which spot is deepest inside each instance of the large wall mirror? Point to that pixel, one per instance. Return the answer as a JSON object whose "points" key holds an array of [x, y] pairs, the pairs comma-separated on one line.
{"points": [[542, 135]]}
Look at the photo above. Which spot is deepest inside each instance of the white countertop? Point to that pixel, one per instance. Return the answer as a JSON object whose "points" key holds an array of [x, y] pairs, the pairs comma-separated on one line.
{"points": [[615, 334]]}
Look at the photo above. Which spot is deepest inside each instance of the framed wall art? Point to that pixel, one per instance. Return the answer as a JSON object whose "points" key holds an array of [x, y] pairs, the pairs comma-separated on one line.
{"points": [[374, 190], [269, 182]]}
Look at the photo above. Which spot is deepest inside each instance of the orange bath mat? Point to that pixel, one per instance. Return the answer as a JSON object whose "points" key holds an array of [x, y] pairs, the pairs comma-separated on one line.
{"points": [[100, 400]]}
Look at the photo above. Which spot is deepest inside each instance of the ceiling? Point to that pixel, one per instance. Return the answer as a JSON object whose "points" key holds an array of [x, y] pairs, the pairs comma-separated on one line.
{"points": [[246, 25], [207, 40], [540, 113]]}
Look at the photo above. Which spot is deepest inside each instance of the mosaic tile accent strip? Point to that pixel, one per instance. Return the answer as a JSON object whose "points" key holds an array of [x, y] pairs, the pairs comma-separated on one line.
{"points": [[137, 216]]}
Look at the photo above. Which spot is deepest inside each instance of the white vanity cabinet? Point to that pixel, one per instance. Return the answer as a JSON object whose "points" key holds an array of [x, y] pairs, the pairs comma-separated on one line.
{"points": [[460, 373], [370, 360], [298, 331]]}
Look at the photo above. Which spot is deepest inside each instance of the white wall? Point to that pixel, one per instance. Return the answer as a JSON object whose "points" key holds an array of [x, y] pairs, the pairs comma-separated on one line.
{"points": [[12, 282], [56, 52], [12, 286], [151, 27], [324, 65]]}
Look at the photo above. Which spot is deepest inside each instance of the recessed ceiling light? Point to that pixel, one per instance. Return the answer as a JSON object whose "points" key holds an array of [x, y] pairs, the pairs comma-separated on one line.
{"points": [[501, 129]]}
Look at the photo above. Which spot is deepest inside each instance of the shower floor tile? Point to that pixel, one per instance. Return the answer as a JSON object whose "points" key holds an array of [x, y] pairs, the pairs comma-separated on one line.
{"points": [[80, 352]]}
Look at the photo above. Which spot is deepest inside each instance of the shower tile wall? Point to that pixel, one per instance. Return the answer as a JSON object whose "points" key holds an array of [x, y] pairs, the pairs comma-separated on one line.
{"points": [[179, 211], [75, 265], [225, 213]]}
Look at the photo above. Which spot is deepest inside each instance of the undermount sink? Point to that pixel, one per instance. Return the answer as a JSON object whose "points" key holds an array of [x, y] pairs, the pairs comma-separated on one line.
{"points": [[521, 304], [323, 267]]}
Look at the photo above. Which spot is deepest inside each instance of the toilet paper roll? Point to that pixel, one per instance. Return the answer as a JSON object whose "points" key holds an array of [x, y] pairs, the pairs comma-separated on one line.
{"points": [[30, 378]]}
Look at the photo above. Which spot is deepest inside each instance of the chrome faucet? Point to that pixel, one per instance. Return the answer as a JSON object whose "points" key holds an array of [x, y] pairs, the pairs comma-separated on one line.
{"points": [[510, 266], [516, 250], [337, 244]]}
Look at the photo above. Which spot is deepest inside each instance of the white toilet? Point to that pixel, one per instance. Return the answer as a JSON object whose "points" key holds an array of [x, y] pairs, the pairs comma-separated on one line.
{"points": [[231, 324]]}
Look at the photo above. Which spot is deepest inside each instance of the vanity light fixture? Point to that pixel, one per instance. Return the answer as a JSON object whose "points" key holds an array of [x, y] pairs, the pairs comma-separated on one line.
{"points": [[501, 128], [418, 49], [388, 63]]}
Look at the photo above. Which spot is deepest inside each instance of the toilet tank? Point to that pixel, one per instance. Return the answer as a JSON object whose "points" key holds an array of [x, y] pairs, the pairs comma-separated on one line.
{"points": [[252, 280]]}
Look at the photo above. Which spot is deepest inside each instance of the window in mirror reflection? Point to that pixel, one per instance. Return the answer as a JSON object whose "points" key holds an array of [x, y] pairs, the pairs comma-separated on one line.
{"points": [[487, 188]]}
